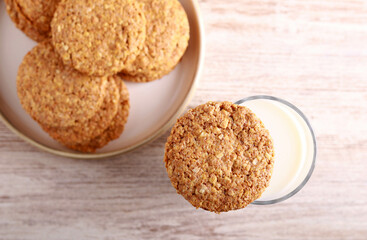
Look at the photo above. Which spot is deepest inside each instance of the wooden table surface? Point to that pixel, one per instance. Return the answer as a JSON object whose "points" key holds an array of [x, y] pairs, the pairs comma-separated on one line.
{"points": [[311, 53]]}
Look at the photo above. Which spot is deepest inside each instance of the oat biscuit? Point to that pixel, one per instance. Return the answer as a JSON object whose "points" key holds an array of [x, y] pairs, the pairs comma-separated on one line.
{"points": [[167, 36], [85, 131], [54, 94], [219, 156], [116, 127], [98, 37], [33, 17]]}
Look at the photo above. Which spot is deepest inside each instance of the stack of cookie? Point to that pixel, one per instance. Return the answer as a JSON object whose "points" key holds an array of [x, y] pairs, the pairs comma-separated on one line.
{"points": [[71, 82]]}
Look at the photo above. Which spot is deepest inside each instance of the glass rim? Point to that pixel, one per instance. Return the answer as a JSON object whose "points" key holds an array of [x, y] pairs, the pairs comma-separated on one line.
{"points": [[308, 176]]}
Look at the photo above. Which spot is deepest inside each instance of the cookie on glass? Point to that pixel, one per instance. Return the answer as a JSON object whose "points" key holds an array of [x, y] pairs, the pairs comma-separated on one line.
{"points": [[219, 156]]}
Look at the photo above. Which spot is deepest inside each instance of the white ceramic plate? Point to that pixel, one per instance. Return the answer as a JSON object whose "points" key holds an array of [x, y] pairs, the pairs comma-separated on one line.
{"points": [[154, 106]]}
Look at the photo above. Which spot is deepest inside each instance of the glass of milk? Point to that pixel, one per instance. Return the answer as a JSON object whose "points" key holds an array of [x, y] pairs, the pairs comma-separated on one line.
{"points": [[294, 146]]}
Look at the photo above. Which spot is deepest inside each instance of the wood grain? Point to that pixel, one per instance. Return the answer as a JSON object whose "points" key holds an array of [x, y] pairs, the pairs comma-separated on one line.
{"points": [[312, 53]]}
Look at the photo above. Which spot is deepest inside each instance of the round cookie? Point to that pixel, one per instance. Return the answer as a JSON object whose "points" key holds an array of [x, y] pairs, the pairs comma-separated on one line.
{"points": [[98, 37], [33, 17], [167, 36], [219, 156], [54, 94], [85, 131], [116, 127]]}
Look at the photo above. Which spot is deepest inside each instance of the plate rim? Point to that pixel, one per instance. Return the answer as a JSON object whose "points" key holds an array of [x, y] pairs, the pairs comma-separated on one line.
{"points": [[151, 137]]}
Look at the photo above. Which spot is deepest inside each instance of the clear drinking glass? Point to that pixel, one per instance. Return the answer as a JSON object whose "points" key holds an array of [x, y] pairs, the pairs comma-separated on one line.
{"points": [[294, 146]]}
